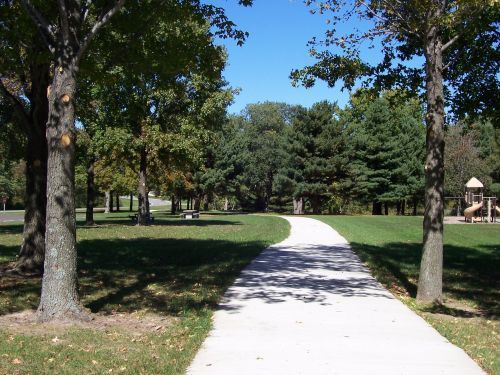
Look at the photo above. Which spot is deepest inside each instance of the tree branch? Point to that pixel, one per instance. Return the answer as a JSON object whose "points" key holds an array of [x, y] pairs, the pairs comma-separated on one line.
{"points": [[85, 11], [63, 15], [18, 105], [451, 42], [43, 26], [99, 23]]}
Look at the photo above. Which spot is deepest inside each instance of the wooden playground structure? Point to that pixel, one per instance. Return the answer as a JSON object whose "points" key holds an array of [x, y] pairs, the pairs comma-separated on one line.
{"points": [[481, 208]]}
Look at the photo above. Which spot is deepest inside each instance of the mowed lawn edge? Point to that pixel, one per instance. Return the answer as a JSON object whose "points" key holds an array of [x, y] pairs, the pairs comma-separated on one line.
{"points": [[172, 273], [390, 246]]}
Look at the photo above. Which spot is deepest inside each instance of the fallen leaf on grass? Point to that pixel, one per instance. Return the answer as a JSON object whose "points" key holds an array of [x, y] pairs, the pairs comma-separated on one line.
{"points": [[16, 361]]}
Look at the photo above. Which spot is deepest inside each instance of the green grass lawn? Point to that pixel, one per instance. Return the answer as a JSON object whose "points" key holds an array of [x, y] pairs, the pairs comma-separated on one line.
{"points": [[391, 247], [175, 269]]}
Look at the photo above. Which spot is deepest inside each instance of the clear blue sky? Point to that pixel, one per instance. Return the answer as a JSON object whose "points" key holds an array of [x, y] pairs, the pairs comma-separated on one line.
{"points": [[279, 32]]}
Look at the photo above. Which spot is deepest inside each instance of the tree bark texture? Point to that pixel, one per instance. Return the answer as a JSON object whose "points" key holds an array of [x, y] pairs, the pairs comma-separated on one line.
{"points": [[197, 203], [298, 206], [143, 210], [32, 252], [111, 201], [89, 214], [173, 205], [59, 297], [107, 202], [431, 266], [117, 196]]}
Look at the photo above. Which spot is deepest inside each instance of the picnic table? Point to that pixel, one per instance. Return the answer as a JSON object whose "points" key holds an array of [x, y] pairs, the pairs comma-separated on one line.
{"points": [[190, 214]]}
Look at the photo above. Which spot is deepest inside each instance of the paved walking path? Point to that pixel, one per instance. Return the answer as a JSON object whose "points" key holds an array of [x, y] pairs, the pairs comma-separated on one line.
{"points": [[308, 306]]}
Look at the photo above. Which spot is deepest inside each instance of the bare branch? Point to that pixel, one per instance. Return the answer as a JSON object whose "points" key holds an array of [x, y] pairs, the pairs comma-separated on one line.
{"points": [[103, 18], [384, 21], [63, 15], [85, 11], [451, 41], [43, 26]]}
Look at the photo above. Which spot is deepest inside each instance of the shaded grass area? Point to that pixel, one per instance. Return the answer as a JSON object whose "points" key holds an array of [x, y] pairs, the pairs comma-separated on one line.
{"points": [[175, 268], [391, 248]]}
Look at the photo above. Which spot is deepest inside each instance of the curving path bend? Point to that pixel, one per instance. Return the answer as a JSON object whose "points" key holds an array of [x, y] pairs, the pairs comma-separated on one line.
{"points": [[308, 306]]}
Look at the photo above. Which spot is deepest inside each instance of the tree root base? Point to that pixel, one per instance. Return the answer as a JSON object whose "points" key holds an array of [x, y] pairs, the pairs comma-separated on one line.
{"points": [[75, 314]]}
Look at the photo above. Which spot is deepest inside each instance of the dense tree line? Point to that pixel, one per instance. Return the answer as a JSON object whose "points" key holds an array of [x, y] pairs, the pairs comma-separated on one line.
{"points": [[320, 159]]}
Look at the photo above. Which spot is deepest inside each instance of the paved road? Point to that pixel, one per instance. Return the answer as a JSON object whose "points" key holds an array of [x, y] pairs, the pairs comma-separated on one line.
{"points": [[11, 217], [308, 306]]}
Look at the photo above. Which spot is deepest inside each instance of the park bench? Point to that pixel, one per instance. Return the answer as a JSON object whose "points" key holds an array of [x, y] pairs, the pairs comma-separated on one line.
{"points": [[149, 218], [190, 214]]}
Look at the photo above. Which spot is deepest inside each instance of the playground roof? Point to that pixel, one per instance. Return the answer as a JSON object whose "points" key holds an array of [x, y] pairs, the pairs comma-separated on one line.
{"points": [[474, 183]]}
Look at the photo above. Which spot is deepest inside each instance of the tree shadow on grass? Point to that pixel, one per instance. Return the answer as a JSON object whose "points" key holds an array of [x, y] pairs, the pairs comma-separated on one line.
{"points": [[160, 222], [11, 228], [162, 275], [469, 273]]}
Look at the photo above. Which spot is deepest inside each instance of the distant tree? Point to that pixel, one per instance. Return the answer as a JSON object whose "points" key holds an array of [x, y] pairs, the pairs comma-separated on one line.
{"points": [[441, 31], [387, 149], [463, 160], [316, 156], [265, 125]]}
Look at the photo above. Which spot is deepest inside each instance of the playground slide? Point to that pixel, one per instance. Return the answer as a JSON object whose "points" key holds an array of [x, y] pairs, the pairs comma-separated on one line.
{"points": [[469, 212]]}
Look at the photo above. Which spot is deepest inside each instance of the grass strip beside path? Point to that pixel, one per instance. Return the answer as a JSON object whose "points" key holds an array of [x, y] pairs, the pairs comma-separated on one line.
{"points": [[175, 271], [391, 247]]}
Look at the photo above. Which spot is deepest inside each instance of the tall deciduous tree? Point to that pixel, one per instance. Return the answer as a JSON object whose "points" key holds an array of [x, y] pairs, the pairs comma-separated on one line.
{"points": [[67, 35], [24, 78], [440, 31], [165, 83]]}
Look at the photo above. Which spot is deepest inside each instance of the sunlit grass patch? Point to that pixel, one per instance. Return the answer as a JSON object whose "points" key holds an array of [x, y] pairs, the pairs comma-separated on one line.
{"points": [[175, 269]]}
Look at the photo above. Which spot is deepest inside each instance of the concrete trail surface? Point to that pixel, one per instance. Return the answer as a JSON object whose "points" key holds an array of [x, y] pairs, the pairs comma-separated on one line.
{"points": [[308, 306]]}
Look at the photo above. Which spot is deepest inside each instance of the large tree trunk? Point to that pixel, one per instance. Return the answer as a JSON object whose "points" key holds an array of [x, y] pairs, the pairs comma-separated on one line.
{"points": [[32, 252], [111, 201], [197, 203], [107, 202], [117, 202], [143, 213], [131, 207], [206, 202], [431, 267], [298, 206], [89, 214], [386, 209], [59, 297], [173, 205]]}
